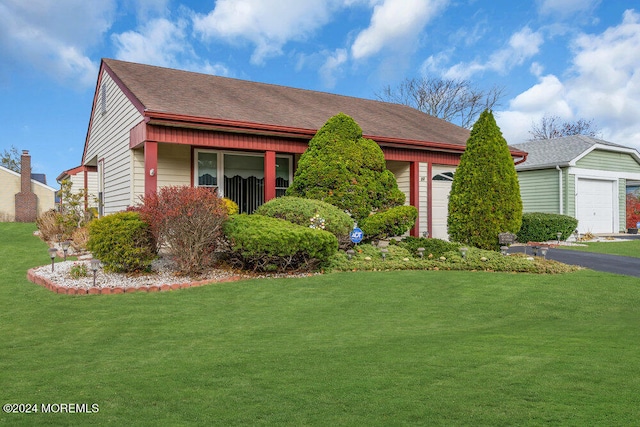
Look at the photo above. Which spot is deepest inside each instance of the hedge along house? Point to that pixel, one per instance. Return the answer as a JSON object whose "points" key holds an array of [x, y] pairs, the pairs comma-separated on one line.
{"points": [[579, 176], [152, 127]]}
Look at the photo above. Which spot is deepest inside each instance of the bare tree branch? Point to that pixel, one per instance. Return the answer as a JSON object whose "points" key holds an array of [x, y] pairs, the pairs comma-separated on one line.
{"points": [[456, 101], [550, 127]]}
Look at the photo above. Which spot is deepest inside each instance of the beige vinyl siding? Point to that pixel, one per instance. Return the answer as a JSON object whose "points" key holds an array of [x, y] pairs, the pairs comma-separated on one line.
{"points": [[174, 168], [402, 173], [92, 189], [46, 196], [540, 190], [10, 186], [109, 140], [609, 161], [137, 172], [174, 165]]}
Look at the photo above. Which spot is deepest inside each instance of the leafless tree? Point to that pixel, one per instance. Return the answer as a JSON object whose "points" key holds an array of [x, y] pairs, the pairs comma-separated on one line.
{"points": [[456, 101], [11, 159], [551, 127]]}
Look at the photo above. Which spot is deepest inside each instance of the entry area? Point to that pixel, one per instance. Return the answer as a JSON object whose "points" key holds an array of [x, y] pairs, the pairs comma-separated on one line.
{"points": [[442, 178], [242, 176]]}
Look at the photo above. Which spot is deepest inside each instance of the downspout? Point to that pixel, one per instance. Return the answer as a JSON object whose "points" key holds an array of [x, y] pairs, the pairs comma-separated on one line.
{"points": [[561, 192]]}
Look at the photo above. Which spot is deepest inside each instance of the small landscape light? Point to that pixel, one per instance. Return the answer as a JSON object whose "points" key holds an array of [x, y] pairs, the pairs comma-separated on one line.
{"points": [[503, 250], [52, 255], [535, 250], [65, 247], [421, 252], [350, 253], [95, 265], [544, 250], [425, 234], [463, 251], [559, 234], [383, 252]]}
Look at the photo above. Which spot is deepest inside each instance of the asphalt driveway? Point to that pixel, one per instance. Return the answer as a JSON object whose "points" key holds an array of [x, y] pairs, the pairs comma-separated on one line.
{"points": [[628, 266]]}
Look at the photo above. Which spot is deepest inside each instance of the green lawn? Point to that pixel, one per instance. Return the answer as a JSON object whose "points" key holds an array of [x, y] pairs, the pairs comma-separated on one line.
{"points": [[626, 248], [392, 348]]}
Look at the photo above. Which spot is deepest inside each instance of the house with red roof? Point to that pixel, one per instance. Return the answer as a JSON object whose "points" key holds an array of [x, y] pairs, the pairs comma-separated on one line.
{"points": [[152, 127]]}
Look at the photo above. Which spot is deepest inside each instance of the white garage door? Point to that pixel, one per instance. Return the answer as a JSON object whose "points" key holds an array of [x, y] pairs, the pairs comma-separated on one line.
{"points": [[595, 206], [441, 186]]}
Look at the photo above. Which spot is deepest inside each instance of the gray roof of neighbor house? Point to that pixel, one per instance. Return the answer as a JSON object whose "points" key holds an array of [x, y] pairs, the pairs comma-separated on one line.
{"points": [[549, 153], [194, 95]]}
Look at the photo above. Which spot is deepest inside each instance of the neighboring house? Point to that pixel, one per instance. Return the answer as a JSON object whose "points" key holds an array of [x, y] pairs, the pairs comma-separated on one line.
{"points": [[82, 178], [24, 196], [152, 127], [579, 176]]}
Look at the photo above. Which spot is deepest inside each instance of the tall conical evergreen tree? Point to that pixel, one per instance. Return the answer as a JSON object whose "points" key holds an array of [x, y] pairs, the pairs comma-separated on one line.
{"points": [[485, 194]]}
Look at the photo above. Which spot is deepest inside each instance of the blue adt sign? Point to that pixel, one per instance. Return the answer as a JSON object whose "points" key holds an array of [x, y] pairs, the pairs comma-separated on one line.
{"points": [[356, 235]]}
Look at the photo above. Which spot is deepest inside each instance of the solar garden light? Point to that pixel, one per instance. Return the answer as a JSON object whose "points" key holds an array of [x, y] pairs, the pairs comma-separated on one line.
{"points": [[65, 247], [421, 252], [350, 253], [535, 250], [503, 250], [559, 234], [95, 265], [463, 251], [52, 255], [383, 252], [425, 234], [544, 250]]}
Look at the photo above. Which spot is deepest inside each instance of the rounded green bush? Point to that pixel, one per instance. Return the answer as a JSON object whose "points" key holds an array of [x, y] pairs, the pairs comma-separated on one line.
{"points": [[434, 247], [123, 242], [263, 243], [542, 227], [343, 168], [300, 211], [392, 222]]}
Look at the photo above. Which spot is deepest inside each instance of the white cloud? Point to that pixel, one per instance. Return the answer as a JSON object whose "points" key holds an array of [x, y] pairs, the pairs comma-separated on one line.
{"points": [[395, 24], [332, 66], [164, 43], [603, 84], [158, 42], [565, 8], [267, 24], [522, 45], [53, 36]]}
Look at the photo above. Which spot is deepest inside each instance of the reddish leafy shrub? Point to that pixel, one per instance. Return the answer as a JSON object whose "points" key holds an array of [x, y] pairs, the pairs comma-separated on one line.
{"points": [[633, 210], [187, 221]]}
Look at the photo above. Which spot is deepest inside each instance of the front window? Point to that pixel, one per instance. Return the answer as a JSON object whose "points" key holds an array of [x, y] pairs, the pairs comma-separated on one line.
{"points": [[240, 177]]}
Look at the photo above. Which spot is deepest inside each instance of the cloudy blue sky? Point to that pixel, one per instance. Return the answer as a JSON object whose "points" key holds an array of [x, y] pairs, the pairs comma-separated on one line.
{"points": [[571, 58]]}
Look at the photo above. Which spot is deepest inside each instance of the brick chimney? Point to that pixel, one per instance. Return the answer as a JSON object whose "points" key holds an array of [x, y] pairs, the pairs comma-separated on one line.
{"points": [[26, 200]]}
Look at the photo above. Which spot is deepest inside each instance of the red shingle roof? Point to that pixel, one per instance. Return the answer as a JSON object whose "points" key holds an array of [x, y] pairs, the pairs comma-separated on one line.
{"points": [[184, 93]]}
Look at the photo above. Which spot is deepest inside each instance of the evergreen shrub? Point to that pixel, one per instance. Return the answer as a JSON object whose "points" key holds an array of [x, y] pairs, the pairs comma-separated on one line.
{"points": [[262, 243], [300, 211], [392, 222], [434, 247], [122, 242], [346, 170], [485, 193], [542, 227]]}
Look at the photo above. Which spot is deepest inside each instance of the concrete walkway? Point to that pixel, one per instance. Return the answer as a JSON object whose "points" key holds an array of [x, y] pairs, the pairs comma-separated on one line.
{"points": [[628, 266]]}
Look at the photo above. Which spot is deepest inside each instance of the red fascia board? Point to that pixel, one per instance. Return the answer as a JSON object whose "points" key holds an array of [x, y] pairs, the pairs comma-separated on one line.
{"points": [[75, 171], [167, 119]]}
